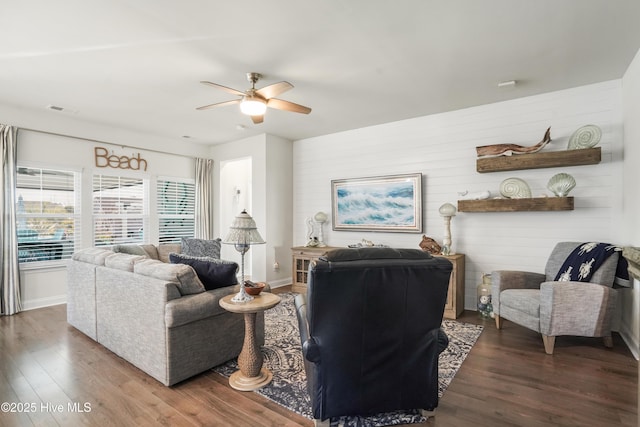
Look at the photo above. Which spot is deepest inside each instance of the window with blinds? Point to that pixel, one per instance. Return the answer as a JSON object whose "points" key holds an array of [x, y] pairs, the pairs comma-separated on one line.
{"points": [[120, 210], [176, 209], [48, 214]]}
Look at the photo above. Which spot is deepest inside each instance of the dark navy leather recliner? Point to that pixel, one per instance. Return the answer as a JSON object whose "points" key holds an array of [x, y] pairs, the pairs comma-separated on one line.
{"points": [[370, 330]]}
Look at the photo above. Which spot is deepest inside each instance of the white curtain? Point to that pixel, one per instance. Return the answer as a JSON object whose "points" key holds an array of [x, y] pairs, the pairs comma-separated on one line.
{"points": [[204, 198], [10, 280]]}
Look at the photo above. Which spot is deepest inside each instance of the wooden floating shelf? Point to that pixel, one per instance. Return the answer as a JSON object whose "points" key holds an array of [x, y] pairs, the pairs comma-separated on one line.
{"points": [[517, 205], [550, 159]]}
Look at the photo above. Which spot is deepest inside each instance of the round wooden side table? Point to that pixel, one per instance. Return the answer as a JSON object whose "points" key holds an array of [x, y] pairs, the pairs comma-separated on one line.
{"points": [[251, 375]]}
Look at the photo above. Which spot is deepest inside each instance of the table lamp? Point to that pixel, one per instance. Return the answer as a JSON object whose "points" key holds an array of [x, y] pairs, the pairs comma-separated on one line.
{"points": [[447, 211], [242, 234]]}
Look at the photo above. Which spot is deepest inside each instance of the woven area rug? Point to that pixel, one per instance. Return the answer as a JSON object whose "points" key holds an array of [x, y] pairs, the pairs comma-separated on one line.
{"points": [[283, 356]]}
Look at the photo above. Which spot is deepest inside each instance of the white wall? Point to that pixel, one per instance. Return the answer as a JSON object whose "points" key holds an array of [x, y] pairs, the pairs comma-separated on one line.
{"points": [[46, 286], [73, 125], [630, 327], [442, 148], [279, 194], [270, 201]]}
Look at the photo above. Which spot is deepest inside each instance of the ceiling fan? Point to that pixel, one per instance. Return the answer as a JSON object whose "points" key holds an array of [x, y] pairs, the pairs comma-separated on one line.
{"points": [[254, 102]]}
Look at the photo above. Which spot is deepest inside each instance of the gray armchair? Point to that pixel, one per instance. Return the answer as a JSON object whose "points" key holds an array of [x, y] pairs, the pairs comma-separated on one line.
{"points": [[555, 308]]}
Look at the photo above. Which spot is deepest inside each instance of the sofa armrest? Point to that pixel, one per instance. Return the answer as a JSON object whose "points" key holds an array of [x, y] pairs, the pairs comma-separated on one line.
{"points": [[576, 308], [310, 349], [191, 308], [508, 279]]}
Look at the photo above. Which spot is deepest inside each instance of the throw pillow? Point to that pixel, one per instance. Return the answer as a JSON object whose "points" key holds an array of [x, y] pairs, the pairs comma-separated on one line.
{"points": [[175, 257], [213, 275], [201, 247], [165, 249], [130, 249]]}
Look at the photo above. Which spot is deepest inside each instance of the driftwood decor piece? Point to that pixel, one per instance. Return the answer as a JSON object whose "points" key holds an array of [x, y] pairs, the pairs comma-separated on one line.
{"points": [[509, 149]]}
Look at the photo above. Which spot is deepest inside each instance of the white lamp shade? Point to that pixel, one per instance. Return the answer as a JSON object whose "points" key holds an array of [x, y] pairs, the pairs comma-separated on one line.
{"points": [[447, 210], [252, 106], [243, 231]]}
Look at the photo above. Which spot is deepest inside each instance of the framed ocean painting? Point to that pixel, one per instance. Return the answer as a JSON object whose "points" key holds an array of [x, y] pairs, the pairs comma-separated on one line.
{"points": [[386, 203]]}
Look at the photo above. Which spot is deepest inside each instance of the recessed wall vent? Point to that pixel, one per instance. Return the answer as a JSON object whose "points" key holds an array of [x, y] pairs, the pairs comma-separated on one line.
{"points": [[61, 109]]}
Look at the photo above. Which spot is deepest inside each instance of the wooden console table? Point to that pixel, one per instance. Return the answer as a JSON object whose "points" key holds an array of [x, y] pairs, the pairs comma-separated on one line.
{"points": [[455, 296], [301, 258]]}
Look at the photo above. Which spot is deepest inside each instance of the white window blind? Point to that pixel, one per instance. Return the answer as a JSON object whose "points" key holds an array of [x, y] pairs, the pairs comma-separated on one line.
{"points": [[176, 209], [120, 210], [48, 214]]}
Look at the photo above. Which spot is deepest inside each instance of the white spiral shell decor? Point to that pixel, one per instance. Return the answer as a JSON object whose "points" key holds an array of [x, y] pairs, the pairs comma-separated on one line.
{"points": [[586, 137], [561, 184], [515, 188]]}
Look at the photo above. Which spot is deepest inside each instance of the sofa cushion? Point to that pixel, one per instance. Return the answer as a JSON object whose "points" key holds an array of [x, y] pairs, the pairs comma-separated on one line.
{"points": [[523, 300], [130, 249], [214, 274], [151, 251], [184, 277], [92, 255], [201, 247], [165, 249], [192, 308], [122, 261]]}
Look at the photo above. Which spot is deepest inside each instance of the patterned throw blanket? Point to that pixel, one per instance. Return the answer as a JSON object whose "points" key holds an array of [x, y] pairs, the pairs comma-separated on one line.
{"points": [[586, 259]]}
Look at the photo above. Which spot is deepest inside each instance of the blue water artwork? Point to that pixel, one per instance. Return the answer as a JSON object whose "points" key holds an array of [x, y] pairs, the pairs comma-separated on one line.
{"points": [[384, 204]]}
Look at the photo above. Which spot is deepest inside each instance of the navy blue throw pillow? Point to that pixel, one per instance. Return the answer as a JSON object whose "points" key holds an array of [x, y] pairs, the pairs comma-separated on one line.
{"points": [[213, 275]]}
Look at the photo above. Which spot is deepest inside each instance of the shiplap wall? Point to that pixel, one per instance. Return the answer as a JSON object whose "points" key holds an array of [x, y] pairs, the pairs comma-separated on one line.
{"points": [[442, 148]]}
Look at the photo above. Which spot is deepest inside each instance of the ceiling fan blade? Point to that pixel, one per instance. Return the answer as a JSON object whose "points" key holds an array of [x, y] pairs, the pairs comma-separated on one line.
{"points": [[275, 89], [257, 119], [220, 104], [287, 106], [226, 89]]}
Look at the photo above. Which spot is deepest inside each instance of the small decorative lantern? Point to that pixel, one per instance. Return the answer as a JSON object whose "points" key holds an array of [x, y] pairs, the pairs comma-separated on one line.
{"points": [[485, 307]]}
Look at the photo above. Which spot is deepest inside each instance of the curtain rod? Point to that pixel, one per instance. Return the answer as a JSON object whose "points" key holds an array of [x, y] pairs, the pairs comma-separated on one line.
{"points": [[104, 142]]}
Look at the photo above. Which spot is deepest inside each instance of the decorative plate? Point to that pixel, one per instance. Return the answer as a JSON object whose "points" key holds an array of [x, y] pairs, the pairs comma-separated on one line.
{"points": [[515, 188], [586, 137], [560, 184]]}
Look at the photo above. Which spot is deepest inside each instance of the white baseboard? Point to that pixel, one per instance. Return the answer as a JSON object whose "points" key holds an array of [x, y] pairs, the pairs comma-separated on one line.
{"points": [[280, 283], [43, 302]]}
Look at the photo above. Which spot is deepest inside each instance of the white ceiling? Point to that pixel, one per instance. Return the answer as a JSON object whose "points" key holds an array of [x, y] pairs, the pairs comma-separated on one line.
{"points": [[136, 65]]}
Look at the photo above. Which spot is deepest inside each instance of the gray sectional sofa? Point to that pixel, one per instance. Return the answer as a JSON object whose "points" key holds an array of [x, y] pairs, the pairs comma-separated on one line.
{"points": [[155, 315]]}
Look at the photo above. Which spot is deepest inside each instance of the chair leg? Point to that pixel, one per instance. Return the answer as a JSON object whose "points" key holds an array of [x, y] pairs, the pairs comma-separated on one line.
{"points": [[608, 341], [498, 322], [549, 342]]}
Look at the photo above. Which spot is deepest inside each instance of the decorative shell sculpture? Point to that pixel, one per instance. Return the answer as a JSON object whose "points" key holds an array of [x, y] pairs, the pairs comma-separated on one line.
{"points": [[561, 184], [515, 188], [429, 245], [586, 137]]}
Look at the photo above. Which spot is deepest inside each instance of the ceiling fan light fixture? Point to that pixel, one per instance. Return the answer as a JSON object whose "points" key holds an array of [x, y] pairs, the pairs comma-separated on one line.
{"points": [[253, 106]]}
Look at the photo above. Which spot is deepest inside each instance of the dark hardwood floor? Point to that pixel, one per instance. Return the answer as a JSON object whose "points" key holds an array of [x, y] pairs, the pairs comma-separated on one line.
{"points": [[507, 380]]}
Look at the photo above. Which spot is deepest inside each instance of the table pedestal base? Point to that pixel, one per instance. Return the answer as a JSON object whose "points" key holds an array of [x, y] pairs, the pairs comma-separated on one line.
{"points": [[240, 382]]}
